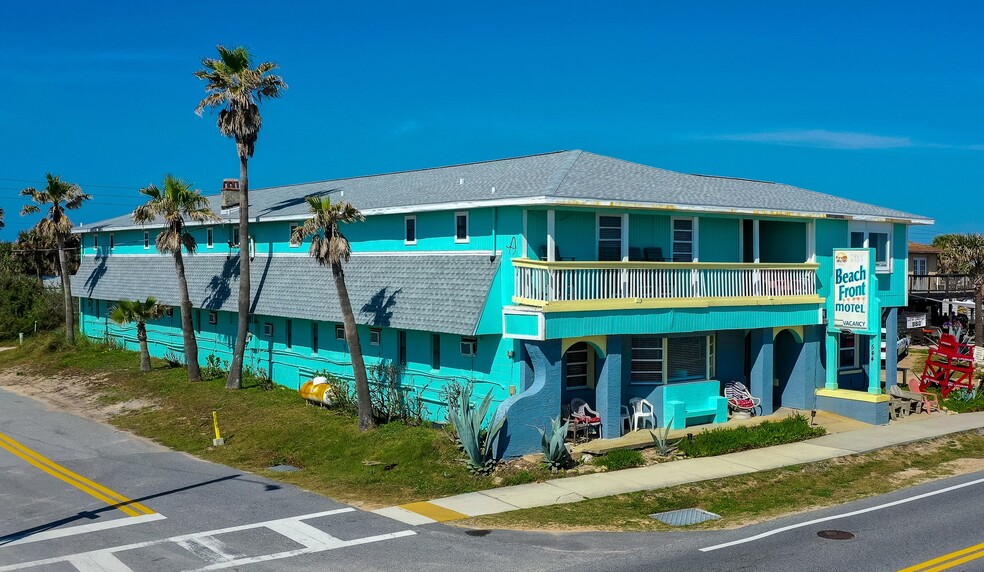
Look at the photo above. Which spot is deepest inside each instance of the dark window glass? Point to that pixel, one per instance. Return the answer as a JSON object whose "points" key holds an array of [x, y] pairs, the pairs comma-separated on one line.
{"points": [[402, 336]]}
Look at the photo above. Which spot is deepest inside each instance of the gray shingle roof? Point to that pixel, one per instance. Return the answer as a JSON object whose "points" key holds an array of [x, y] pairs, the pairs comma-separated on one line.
{"points": [[561, 175], [438, 293]]}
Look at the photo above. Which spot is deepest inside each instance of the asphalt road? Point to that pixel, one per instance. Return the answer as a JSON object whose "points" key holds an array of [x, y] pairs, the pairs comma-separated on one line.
{"points": [[65, 482]]}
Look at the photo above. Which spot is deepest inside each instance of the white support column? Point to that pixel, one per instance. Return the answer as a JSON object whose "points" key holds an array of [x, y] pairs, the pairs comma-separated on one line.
{"points": [[755, 241], [551, 229], [525, 244], [696, 244], [811, 241], [625, 237]]}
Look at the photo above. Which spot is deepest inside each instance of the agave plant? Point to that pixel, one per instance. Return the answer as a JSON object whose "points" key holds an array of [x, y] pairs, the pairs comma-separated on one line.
{"points": [[555, 453], [665, 447], [467, 421]]}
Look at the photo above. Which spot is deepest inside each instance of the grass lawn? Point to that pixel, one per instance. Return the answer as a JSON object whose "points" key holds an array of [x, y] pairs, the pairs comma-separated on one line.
{"points": [[392, 464], [748, 498]]}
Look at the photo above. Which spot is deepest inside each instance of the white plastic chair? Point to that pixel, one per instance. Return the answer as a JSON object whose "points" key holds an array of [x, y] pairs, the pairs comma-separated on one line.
{"points": [[586, 415], [643, 411], [626, 418]]}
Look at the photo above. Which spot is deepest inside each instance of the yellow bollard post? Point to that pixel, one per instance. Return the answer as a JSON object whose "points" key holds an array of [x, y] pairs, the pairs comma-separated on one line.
{"points": [[215, 423]]}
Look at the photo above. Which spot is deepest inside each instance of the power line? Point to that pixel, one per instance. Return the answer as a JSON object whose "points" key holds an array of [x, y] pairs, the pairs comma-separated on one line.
{"points": [[79, 184]]}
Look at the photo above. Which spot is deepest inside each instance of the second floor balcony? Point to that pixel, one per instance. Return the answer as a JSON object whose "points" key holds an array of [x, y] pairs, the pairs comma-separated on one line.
{"points": [[945, 284], [588, 285]]}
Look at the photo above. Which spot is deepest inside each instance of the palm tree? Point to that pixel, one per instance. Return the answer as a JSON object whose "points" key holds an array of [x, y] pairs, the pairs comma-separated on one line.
{"points": [[237, 88], [330, 248], [964, 254], [135, 311], [61, 196], [174, 203]]}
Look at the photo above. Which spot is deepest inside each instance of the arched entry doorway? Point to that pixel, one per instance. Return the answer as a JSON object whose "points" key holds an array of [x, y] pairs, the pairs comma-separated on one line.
{"points": [[786, 348], [579, 370]]}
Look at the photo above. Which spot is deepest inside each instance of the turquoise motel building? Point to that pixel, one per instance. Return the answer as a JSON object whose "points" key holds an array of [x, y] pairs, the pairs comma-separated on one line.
{"points": [[539, 279]]}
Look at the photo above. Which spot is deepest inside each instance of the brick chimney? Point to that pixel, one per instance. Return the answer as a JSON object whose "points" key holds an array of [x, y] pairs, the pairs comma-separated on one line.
{"points": [[230, 193]]}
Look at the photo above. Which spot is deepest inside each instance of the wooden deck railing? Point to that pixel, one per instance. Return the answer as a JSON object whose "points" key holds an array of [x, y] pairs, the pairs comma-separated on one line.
{"points": [[942, 283], [545, 282]]}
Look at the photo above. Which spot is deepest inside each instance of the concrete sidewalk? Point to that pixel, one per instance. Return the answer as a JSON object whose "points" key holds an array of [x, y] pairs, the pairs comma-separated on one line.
{"points": [[596, 485]]}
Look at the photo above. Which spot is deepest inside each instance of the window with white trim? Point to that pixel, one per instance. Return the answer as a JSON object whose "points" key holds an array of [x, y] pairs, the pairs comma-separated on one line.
{"points": [[213, 317], [877, 236], [208, 238], [657, 359], [146, 239], [461, 227], [95, 241], [291, 240], [647, 359], [576, 372], [410, 230], [375, 336], [235, 236], [847, 350], [609, 237], [683, 240], [339, 331], [469, 346]]}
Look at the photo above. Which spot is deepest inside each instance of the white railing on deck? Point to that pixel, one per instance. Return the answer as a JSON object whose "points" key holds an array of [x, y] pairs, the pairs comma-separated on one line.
{"points": [[582, 281]]}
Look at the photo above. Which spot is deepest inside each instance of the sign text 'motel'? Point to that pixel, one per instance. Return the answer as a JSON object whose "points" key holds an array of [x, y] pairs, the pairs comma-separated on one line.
{"points": [[852, 291]]}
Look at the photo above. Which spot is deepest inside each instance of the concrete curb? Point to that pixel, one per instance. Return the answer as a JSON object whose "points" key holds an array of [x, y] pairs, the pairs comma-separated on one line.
{"points": [[598, 485]]}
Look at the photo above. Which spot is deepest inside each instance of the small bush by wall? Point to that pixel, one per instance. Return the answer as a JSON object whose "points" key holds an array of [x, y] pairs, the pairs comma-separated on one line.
{"points": [[766, 434]]}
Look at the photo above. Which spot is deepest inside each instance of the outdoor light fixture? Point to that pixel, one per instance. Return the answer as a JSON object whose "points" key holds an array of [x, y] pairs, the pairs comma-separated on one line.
{"points": [[813, 417]]}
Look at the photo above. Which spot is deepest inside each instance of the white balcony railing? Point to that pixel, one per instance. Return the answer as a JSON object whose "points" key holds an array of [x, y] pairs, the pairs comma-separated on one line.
{"points": [[546, 282]]}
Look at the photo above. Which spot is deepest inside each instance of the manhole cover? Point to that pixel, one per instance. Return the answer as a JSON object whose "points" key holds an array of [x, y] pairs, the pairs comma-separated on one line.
{"points": [[477, 532], [284, 468], [684, 517], [835, 534]]}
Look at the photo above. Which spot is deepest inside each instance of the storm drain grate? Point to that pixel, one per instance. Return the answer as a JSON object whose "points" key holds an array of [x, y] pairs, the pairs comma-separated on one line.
{"points": [[684, 517], [284, 468]]}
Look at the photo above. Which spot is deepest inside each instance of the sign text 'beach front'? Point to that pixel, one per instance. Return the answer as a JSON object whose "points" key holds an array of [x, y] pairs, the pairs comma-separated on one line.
{"points": [[852, 290]]}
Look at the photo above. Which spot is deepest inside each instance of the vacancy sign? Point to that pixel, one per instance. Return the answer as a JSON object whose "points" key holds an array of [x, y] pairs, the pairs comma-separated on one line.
{"points": [[852, 290]]}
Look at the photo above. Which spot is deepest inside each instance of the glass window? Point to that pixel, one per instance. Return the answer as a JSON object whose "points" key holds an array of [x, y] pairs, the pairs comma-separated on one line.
{"points": [[95, 241], [683, 240], [711, 356], [235, 236], [435, 351], [461, 227], [290, 237], [876, 239], [469, 346], [208, 237], [375, 336], [339, 331], [314, 337], [848, 351], [112, 240], [879, 241], [687, 358], [647, 359], [576, 373], [402, 341], [290, 334], [213, 317], [146, 239], [857, 240], [410, 230], [609, 238]]}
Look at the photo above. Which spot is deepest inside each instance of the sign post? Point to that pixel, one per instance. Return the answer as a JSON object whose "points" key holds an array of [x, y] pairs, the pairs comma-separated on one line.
{"points": [[854, 309]]}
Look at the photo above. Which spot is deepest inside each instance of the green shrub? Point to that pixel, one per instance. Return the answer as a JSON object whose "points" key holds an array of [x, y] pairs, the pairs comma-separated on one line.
{"points": [[518, 478], [766, 434], [620, 459], [963, 401]]}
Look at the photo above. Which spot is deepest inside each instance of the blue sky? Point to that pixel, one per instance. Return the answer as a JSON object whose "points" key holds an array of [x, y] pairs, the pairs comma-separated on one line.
{"points": [[880, 102]]}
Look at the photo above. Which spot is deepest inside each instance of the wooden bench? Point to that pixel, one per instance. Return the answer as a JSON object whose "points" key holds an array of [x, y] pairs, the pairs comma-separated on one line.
{"points": [[685, 401]]}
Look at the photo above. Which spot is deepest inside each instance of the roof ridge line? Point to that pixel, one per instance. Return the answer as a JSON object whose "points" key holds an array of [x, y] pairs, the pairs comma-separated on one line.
{"points": [[560, 175]]}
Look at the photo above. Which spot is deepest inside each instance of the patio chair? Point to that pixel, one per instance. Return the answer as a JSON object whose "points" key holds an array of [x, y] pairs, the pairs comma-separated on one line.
{"points": [[929, 401], [653, 254], [585, 416], [740, 399], [903, 403], [542, 252], [626, 418], [642, 411], [635, 253]]}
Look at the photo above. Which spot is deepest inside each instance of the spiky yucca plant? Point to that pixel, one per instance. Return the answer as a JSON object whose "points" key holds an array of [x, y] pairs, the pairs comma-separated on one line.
{"points": [[467, 420], [661, 440], [556, 457]]}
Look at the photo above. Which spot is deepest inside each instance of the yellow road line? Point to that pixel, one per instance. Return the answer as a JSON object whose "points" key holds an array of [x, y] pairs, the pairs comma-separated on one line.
{"points": [[947, 560], [433, 511], [85, 485]]}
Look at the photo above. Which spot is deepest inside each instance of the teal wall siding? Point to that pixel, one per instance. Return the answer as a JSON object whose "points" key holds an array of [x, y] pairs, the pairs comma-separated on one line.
{"points": [[833, 234], [718, 240], [682, 320], [782, 242], [576, 234], [650, 231], [522, 324], [536, 232], [491, 370]]}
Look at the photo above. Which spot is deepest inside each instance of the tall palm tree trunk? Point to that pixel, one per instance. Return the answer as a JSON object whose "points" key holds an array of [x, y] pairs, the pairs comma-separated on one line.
{"points": [[235, 380], [66, 280], [366, 418], [187, 326], [144, 351]]}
